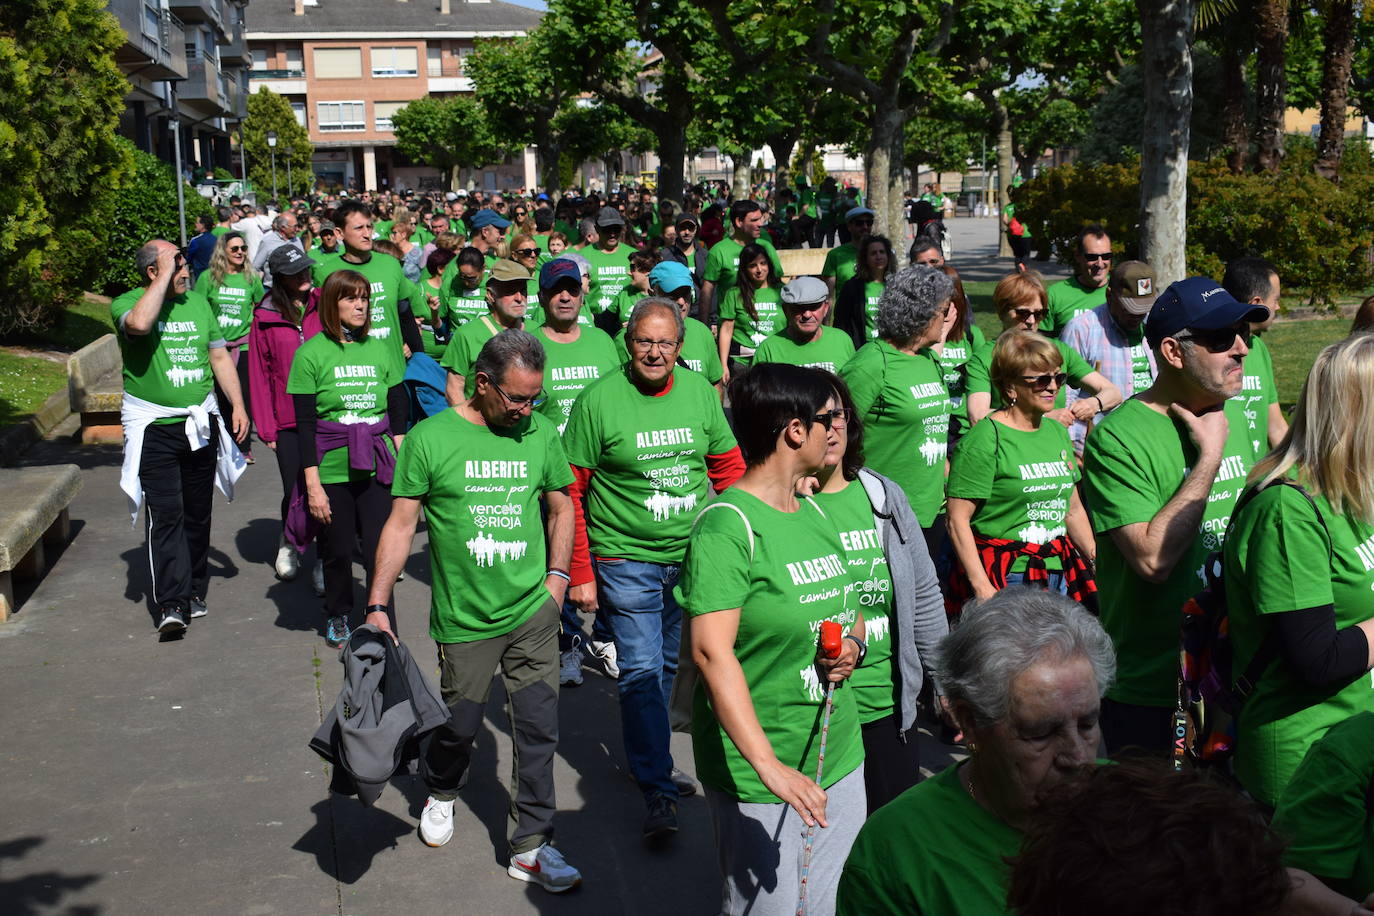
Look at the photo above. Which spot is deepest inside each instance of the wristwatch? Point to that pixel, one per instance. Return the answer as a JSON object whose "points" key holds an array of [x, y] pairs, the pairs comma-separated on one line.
{"points": [[863, 648]]}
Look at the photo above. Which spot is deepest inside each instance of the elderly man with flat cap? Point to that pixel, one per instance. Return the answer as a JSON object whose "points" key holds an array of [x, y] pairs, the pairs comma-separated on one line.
{"points": [[805, 340], [507, 301]]}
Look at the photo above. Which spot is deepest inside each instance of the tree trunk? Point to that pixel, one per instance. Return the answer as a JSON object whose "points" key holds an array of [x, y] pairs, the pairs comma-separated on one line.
{"points": [[1001, 126], [1166, 56], [1233, 127], [740, 175], [781, 147], [1271, 87], [883, 169], [672, 154], [1339, 35]]}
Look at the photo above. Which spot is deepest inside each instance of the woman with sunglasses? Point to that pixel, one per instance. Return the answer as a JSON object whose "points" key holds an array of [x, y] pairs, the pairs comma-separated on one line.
{"points": [[524, 250], [750, 310], [1022, 303], [233, 288], [893, 583], [521, 222], [351, 409], [1014, 512], [856, 306]]}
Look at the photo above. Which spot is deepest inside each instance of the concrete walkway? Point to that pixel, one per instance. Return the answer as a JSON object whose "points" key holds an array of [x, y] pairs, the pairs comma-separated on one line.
{"points": [[147, 778]]}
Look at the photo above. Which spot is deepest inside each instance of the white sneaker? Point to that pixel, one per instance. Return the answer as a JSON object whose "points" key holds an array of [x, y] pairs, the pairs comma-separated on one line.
{"points": [[288, 563], [546, 867], [436, 822], [317, 578], [570, 667], [604, 652]]}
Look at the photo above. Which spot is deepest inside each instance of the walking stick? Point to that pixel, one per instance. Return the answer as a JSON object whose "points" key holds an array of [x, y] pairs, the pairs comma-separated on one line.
{"points": [[832, 638]]}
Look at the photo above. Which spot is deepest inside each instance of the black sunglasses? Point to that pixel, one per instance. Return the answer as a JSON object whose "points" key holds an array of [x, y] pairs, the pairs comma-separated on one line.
{"points": [[233, 249], [840, 416], [1043, 381], [1218, 340], [526, 252], [1097, 256]]}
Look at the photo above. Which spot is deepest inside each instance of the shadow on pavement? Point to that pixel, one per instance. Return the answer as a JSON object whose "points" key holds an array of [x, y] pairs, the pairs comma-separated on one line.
{"points": [[29, 895], [348, 835]]}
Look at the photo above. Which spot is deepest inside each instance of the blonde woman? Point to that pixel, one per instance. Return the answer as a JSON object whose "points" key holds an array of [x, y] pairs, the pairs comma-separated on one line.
{"points": [[234, 289], [402, 236], [1299, 572]]}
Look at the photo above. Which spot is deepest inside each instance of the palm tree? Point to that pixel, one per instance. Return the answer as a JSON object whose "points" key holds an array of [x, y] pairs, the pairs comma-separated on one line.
{"points": [[1339, 39]]}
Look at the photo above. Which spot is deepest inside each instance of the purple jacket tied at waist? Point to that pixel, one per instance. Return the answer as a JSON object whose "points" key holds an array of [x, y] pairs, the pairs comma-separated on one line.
{"points": [[367, 451]]}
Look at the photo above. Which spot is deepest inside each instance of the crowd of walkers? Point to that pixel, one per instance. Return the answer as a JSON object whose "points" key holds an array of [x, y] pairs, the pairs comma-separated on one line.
{"points": [[800, 513]]}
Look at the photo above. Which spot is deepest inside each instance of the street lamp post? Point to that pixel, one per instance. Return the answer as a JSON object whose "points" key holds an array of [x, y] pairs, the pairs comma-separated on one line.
{"points": [[272, 148], [289, 185]]}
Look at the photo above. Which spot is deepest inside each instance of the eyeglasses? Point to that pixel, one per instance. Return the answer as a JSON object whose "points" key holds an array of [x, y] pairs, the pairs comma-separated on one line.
{"points": [[536, 401], [862, 223], [1091, 256], [235, 249], [644, 344], [526, 252], [840, 416], [1026, 314], [519, 214], [1218, 340], [1043, 381]]}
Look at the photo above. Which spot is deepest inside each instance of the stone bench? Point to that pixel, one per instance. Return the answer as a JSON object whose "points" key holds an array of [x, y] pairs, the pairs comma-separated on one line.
{"points": [[802, 262], [33, 514], [95, 386]]}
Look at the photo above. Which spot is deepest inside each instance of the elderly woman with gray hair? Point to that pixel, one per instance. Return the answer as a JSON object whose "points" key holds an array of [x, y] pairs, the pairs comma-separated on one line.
{"points": [[900, 395], [1024, 674]]}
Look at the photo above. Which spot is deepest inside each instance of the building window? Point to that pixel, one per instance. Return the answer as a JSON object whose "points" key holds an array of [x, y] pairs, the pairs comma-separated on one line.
{"points": [[434, 60], [463, 54], [338, 63], [382, 112], [340, 116], [298, 109], [388, 62]]}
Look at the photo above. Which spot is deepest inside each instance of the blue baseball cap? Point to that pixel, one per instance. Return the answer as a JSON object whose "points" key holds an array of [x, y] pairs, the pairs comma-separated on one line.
{"points": [[670, 275], [856, 212], [560, 269], [485, 217], [1197, 302]]}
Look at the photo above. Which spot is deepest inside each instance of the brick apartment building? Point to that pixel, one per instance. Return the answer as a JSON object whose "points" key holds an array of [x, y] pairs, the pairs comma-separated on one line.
{"points": [[347, 65]]}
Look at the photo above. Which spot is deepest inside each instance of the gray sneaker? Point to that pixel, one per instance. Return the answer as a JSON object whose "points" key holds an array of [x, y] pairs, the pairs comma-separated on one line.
{"points": [[685, 784], [198, 608], [171, 621]]}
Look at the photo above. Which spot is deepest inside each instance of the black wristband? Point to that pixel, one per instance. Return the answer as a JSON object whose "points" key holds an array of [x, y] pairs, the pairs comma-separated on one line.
{"points": [[863, 648], [378, 609]]}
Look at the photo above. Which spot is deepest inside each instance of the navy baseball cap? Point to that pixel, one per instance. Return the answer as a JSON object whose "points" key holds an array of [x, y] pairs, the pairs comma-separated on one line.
{"points": [[1197, 302], [560, 269], [484, 218]]}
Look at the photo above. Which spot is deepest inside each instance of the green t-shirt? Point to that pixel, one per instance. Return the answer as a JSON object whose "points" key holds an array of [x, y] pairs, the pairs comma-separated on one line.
{"points": [[954, 357], [462, 305], [1257, 392], [978, 372], [1278, 559], [324, 265], [648, 454], [904, 406], [170, 365], [1022, 482], [389, 288], [785, 581], [571, 367], [1324, 813], [465, 345], [382, 229], [1134, 461], [841, 263], [610, 271], [349, 382], [829, 350], [931, 850], [624, 302], [1068, 300], [749, 333], [481, 487], [220, 230], [873, 291], [722, 261], [698, 351], [870, 591], [233, 301]]}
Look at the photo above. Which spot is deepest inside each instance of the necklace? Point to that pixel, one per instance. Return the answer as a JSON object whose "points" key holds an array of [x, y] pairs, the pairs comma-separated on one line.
{"points": [[971, 793]]}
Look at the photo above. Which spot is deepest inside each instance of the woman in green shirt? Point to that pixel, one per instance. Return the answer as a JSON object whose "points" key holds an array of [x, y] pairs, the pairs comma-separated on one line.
{"points": [[234, 290], [1021, 302], [856, 306], [763, 569], [749, 310], [1299, 571], [962, 338], [351, 409], [1014, 512]]}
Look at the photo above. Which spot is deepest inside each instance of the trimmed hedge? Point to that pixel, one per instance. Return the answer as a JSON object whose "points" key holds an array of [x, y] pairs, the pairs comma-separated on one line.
{"points": [[1319, 235]]}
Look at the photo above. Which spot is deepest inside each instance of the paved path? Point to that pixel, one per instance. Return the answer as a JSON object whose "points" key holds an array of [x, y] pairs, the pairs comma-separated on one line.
{"points": [[149, 778]]}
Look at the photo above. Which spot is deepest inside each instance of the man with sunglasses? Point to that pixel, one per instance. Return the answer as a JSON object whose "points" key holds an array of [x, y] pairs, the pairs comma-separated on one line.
{"points": [[1254, 280], [1161, 474], [483, 471], [609, 259], [842, 262], [1087, 288]]}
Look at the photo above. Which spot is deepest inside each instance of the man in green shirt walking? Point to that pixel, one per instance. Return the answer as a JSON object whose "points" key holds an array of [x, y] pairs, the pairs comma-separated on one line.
{"points": [[1255, 281], [482, 471], [1161, 474], [722, 262], [842, 261], [507, 292], [1087, 288]]}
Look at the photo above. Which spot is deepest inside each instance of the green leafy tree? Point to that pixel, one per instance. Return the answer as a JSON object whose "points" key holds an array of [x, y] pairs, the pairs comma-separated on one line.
{"points": [[268, 111], [448, 133], [503, 74], [60, 99], [948, 136]]}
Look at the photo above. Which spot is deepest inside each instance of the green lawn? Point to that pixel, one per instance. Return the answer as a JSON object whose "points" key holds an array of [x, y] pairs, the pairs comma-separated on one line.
{"points": [[27, 381]]}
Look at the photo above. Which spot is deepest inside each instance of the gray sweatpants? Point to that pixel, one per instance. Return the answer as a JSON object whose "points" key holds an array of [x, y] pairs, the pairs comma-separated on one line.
{"points": [[759, 848]]}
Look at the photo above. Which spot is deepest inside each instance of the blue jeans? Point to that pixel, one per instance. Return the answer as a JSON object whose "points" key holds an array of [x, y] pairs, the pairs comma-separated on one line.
{"points": [[647, 623], [1056, 581], [572, 627]]}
